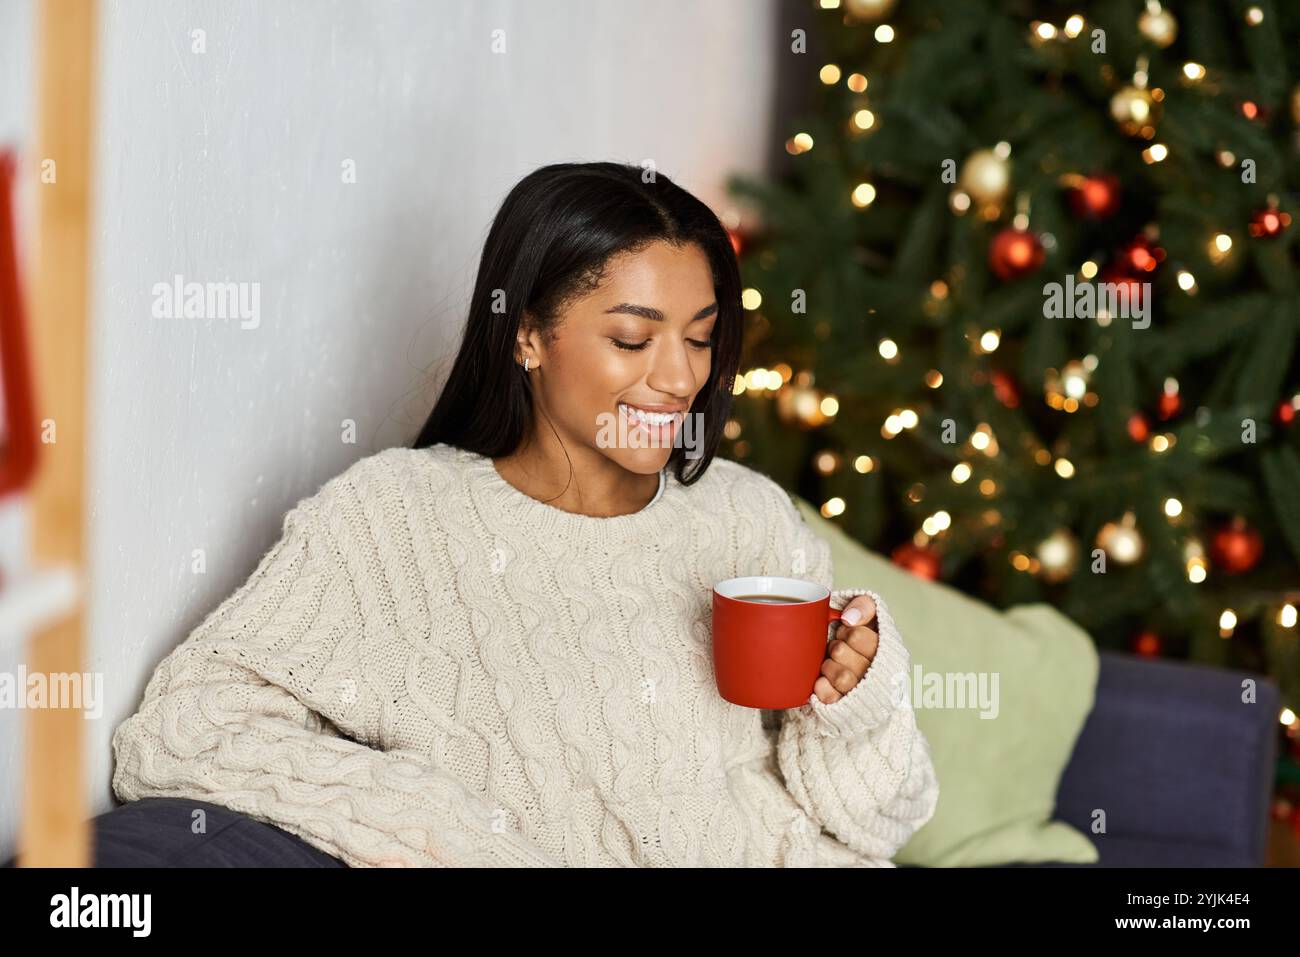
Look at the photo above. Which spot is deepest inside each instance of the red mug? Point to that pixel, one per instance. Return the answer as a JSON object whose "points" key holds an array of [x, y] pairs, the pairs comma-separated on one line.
{"points": [[768, 653]]}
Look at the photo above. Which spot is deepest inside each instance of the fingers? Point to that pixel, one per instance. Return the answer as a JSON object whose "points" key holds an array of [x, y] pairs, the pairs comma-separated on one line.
{"points": [[825, 691], [841, 676], [860, 611], [848, 656], [849, 653], [855, 643]]}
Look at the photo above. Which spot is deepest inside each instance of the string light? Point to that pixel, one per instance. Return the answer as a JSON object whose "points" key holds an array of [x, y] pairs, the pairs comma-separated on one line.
{"points": [[884, 33], [799, 143], [857, 83], [936, 523], [1074, 26], [1155, 153], [832, 507], [888, 349], [1286, 616], [751, 299], [961, 472], [864, 194], [829, 74], [1227, 622], [1173, 507], [1254, 16], [1219, 247], [864, 119], [1193, 71], [864, 463]]}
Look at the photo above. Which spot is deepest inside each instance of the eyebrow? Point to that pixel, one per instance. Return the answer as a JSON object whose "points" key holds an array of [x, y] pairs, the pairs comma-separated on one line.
{"points": [[649, 312]]}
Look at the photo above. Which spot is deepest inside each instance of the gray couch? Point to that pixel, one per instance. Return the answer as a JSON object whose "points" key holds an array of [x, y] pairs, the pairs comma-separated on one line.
{"points": [[1182, 767]]}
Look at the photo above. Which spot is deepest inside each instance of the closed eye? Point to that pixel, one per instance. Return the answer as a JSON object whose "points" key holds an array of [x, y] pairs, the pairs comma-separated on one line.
{"points": [[638, 346]]}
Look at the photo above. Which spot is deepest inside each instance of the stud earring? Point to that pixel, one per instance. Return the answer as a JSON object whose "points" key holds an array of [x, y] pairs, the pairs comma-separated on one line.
{"points": [[526, 361]]}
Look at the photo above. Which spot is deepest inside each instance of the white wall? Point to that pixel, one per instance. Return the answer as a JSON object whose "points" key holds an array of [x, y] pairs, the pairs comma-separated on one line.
{"points": [[226, 166]]}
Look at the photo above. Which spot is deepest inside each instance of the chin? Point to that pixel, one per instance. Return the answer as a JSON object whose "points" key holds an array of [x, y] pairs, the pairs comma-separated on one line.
{"points": [[641, 461]]}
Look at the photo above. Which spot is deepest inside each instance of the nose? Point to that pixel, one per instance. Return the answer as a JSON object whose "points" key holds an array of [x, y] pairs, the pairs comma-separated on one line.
{"points": [[671, 372]]}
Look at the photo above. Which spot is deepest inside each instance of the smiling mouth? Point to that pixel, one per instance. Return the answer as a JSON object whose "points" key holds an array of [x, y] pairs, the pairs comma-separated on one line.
{"points": [[653, 421]]}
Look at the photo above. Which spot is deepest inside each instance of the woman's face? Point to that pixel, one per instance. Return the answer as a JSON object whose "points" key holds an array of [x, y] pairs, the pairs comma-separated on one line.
{"points": [[628, 359]]}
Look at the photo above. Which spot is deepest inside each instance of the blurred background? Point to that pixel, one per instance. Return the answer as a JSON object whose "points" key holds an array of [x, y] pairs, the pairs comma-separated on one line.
{"points": [[945, 161], [903, 181]]}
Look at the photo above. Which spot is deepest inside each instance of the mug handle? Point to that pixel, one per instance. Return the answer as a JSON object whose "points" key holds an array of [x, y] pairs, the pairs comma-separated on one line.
{"points": [[834, 615]]}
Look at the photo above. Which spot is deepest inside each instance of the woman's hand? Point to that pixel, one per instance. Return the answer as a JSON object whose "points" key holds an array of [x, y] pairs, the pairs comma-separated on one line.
{"points": [[849, 653]]}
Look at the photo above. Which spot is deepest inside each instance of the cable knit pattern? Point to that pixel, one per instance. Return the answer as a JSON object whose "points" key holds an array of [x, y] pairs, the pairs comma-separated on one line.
{"points": [[430, 668]]}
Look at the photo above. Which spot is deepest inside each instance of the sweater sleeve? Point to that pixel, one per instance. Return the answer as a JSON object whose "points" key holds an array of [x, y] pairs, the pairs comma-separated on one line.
{"points": [[249, 712], [860, 767]]}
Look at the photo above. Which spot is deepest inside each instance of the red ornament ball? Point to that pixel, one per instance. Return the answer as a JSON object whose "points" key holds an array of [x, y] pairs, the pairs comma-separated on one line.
{"points": [[1095, 197], [1005, 389], [1138, 429], [1269, 222], [1168, 405], [919, 560], [1135, 292], [1285, 413], [1147, 644], [1015, 253], [1236, 547], [737, 240], [1140, 256]]}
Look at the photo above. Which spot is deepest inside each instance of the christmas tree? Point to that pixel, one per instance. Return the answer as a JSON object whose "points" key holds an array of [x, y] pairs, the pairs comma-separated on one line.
{"points": [[1022, 310]]}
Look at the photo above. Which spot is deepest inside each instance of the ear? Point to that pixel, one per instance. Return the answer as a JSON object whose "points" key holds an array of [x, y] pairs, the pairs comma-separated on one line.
{"points": [[528, 340]]}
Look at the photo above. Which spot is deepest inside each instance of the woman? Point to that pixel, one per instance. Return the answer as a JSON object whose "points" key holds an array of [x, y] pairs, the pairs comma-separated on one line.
{"points": [[493, 648]]}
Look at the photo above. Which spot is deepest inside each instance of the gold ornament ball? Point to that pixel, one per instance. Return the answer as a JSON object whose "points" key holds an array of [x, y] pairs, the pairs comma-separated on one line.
{"points": [[1121, 540], [1133, 108], [870, 9], [1158, 26], [985, 177], [1058, 554]]}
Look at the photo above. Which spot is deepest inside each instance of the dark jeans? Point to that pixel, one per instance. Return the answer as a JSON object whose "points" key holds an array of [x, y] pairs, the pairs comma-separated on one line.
{"points": [[156, 832]]}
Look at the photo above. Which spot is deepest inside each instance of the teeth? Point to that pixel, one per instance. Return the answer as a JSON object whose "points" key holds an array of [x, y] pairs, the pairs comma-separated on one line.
{"points": [[650, 418]]}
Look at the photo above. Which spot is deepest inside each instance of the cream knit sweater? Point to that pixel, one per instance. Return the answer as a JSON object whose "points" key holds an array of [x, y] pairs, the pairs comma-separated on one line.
{"points": [[430, 668]]}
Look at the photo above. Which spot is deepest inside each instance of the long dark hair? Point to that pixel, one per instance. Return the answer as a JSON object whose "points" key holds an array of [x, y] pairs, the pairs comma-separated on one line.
{"points": [[549, 242]]}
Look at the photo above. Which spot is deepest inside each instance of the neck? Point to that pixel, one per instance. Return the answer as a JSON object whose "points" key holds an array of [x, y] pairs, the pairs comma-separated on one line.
{"points": [[584, 481]]}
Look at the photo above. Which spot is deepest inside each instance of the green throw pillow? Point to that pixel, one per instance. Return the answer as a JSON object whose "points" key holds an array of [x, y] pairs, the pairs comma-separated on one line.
{"points": [[997, 775]]}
